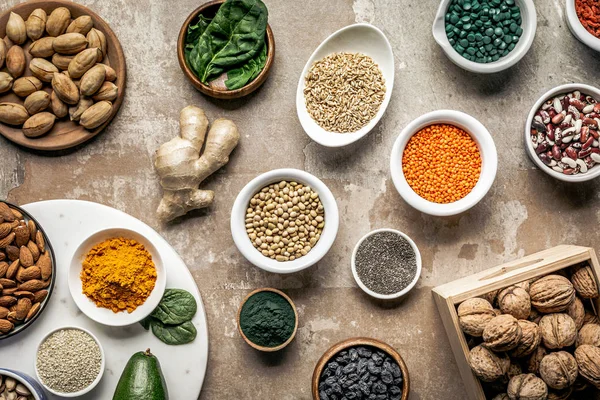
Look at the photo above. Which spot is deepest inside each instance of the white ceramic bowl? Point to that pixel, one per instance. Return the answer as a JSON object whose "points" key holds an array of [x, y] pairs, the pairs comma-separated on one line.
{"points": [[529, 25], [93, 384], [394, 295], [578, 30], [562, 89], [30, 383], [357, 38], [238, 224], [487, 150], [103, 315]]}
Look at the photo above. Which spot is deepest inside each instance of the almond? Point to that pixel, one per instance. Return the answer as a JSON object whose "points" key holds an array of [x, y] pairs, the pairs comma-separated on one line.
{"points": [[5, 212], [39, 124], [27, 274], [3, 312], [82, 24], [32, 229], [92, 80], [3, 268], [96, 115], [2, 256], [97, 39], [6, 81], [40, 241], [33, 311], [35, 251], [15, 61], [32, 285], [11, 272], [21, 293], [6, 326], [82, 62], [23, 87], [23, 307], [18, 215], [7, 301], [36, 24], [42, 47], [62, 61], [70, 43], [7, 283], [42, 69], [12, 252], [25, 257], [45, 265], [5, 229], [58, 21], [9, 291], [22, 235], [15, 28], [39, 296], [65, 88], [60, 109], [108, 91], [7, 240]]}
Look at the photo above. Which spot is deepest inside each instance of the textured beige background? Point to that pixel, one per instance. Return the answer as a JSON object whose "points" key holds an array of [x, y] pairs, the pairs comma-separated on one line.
{"points": [[525, 211]]}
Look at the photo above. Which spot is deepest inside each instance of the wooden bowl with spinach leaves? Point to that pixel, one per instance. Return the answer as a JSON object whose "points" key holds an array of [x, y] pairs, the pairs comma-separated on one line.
{"points": [[226, 48]]}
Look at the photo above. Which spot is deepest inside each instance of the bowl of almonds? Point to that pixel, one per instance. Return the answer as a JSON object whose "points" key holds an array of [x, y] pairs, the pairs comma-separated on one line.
{"points": [[63, 74], [27, 270]]}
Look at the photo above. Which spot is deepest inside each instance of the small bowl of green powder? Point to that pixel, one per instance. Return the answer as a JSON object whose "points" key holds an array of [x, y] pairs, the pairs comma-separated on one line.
{"points": [[268, 320], [386, 264]]}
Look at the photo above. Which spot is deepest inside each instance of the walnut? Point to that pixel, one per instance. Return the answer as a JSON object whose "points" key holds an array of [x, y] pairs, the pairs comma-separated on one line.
{"points": [[502, 396], [530, 339], [577, 312], [514, 300], [490, 296], [487, 365], [527, 387], [534, 360], [514, 370], [524, 285], [588, 360], [580, 384], [552, 293], [559, 370], [564, 394], [534, 316], [589, 334], [473, 316], [584, 282], [502, 333], [558, 330], [590, 318]]}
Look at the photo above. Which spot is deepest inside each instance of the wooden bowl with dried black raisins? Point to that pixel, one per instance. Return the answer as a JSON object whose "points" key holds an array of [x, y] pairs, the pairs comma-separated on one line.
{"points": [[362, 365]]}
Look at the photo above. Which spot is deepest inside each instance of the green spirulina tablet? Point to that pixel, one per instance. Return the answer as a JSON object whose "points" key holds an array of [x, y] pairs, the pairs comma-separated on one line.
{"points": [[483, 31]]}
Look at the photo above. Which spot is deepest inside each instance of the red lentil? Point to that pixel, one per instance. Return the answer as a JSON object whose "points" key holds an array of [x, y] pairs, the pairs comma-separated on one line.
{"points": [[588, 12], [441, 163]]}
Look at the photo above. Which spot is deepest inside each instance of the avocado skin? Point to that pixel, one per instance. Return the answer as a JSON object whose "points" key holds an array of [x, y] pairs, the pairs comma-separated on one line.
{"points": [[142, 379]]}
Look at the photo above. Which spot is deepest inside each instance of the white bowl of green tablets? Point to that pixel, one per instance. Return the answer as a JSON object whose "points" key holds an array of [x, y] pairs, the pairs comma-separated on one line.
{"points": [[386, 264], [486, 36]]}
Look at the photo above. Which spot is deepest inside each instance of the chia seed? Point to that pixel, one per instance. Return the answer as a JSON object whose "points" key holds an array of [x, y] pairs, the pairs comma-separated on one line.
{"points": [[68, 361], [386, 262]]}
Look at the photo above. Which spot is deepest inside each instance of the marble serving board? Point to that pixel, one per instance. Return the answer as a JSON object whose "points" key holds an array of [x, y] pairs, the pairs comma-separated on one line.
{"points": [[67, 223]]}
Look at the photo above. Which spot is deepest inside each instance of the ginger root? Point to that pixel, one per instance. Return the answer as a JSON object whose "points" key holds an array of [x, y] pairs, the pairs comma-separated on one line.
{"points": [[182, 169]]}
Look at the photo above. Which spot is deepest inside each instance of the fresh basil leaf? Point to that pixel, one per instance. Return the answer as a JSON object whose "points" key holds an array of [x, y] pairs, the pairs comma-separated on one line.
{"points": [[233, 37], [174, 334], [177, 306], [240, 77]]}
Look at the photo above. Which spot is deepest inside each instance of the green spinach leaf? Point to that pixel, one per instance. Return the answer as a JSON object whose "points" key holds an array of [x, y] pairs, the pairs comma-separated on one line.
{"points": [[193, 34], [234, 36], [177, 306], [146, 322], [240, 77], [174, 334]]}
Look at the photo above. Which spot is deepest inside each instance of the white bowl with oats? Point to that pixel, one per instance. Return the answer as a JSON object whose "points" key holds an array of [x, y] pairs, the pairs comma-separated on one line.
{"points": [[346, 117]]}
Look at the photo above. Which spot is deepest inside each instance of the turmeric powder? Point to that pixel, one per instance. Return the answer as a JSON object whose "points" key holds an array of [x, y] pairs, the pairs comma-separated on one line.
{"points": [[118, 274]]}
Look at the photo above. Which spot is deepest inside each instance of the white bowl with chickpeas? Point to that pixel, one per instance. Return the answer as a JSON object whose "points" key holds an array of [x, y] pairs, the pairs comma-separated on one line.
{"points": [[284, 220]]}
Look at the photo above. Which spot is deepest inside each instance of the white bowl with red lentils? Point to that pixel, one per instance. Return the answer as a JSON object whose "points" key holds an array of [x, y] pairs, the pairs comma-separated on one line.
{"points": [[444, 162], [576, 25]]}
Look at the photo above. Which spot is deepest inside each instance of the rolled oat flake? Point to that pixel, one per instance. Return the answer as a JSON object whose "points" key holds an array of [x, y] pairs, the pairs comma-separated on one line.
{"points": [[68, 361], [386, 262]]}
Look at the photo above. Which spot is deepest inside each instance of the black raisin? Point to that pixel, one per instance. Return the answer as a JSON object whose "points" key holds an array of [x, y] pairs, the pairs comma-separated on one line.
{"points": [[330, 381], [377, 358], [396, 370], [338, 371], [364, 352], [395, 390], [387, 377], [363, 387], [323, 395], [336, 388], [350, 368], [379, 387], [353, 354]]}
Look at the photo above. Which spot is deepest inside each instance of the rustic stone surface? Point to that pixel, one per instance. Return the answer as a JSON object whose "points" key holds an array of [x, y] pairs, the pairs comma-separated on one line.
{"points": [[116, 169]]}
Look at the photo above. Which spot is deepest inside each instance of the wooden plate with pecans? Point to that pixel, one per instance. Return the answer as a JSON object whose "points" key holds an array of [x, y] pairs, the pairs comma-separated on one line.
{"points": [[27, 270], [65, 81]]}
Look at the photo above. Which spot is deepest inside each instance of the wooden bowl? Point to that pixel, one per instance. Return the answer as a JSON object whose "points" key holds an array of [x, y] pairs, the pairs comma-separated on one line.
{"points": [[209, 10], [65, 133], [360, 341], [262, 348]]}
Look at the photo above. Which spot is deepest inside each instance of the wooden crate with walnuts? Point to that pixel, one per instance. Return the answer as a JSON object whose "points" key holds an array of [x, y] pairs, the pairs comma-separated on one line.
{"points": [[527, 329]]}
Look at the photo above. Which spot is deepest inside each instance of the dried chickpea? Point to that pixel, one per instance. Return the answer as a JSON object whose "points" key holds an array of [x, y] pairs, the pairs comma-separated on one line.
{"points": [[441, 163]]}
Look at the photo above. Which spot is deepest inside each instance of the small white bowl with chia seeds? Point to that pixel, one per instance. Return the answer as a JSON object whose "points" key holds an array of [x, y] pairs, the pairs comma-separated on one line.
{"points": [[69, 361], [386, 264]]}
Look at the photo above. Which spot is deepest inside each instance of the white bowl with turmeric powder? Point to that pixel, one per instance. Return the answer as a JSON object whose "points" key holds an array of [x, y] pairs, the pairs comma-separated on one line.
{"points": [[117, 277]]}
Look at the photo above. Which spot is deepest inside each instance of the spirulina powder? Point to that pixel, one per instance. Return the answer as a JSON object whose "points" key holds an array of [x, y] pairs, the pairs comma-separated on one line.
{"points": [[267, 319], [386, 262]]}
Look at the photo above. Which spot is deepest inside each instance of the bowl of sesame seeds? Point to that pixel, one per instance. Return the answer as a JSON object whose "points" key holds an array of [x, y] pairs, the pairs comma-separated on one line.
{"points": [[386, 264], [444, 162]]}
